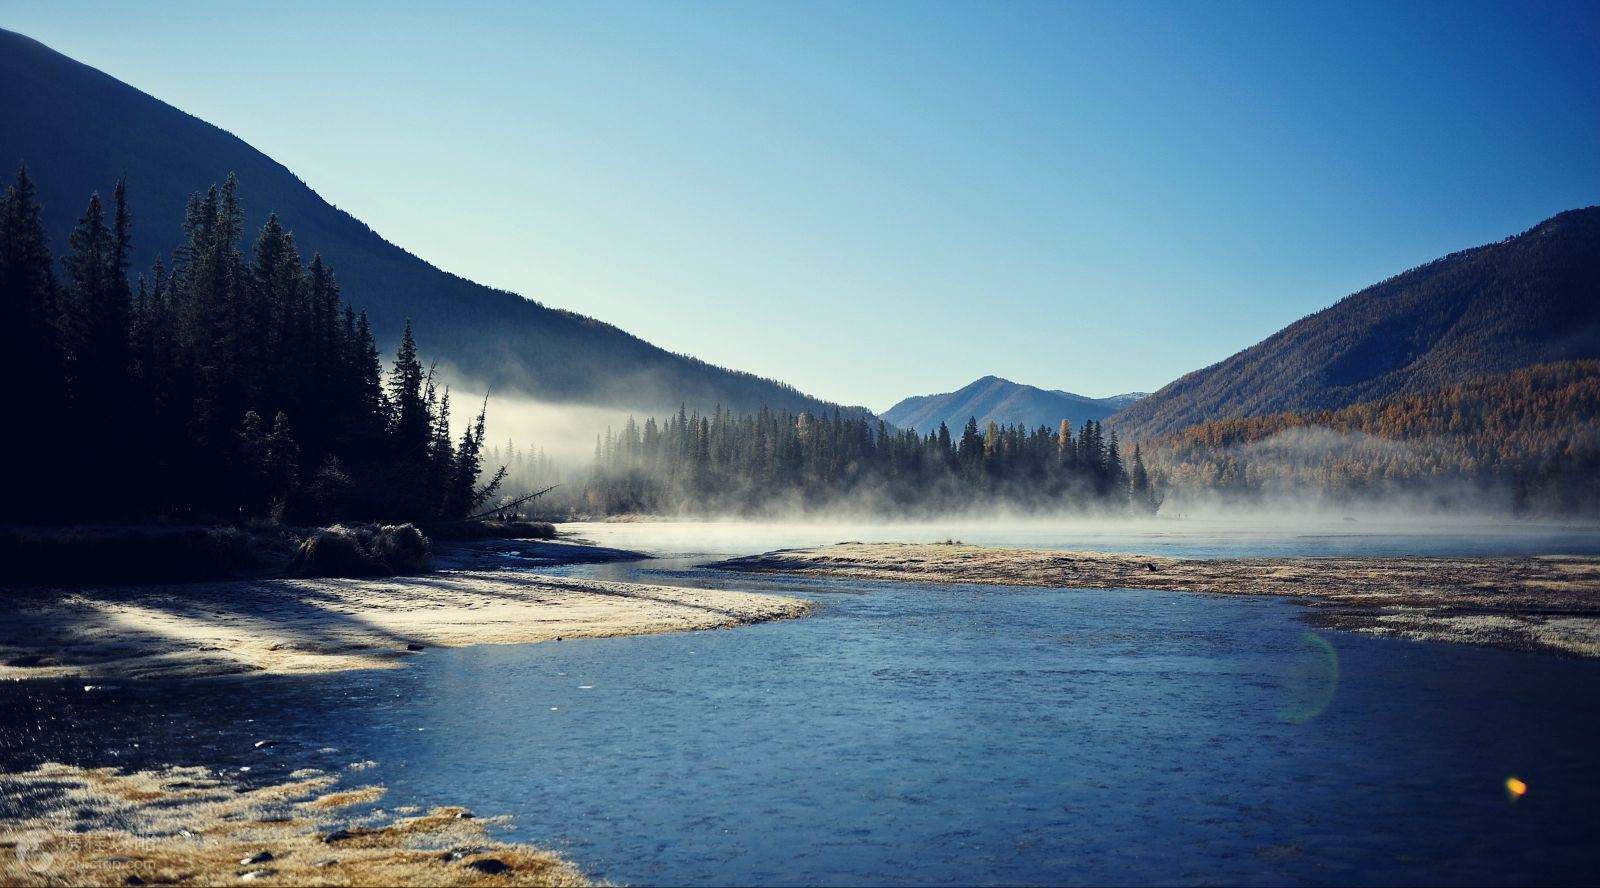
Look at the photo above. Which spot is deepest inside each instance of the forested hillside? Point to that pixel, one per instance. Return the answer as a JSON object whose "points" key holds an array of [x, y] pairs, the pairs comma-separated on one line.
{"points": [[234, 384], [80, 130], [1529, 439], [992, 399], [1529, 299]]}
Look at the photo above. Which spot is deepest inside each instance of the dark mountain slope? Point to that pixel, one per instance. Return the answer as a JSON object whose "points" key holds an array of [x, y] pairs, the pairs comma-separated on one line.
{"points": [[79, 129], [1003, 401], [1529, 299]]}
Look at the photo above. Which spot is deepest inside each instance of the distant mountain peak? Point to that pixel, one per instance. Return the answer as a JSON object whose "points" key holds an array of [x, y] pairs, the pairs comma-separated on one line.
{"points": [[991, 398]]}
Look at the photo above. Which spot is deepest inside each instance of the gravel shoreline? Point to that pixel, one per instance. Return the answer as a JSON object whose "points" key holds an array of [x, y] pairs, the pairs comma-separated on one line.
{"points": [[1542, 603]]}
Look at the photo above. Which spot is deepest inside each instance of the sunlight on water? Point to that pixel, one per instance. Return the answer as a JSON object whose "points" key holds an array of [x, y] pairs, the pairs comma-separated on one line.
{"points": [[1515, 788]]}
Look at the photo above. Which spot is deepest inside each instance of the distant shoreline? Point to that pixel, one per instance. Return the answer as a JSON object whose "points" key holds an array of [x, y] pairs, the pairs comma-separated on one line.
{"points": [[1538, 603]]}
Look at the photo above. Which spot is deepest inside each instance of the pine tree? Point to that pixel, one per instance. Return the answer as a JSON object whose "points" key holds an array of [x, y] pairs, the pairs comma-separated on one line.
{"points": [[441, 454], [1116, 474], [27, 282], [282, 466], [121, 241], [1139, 490], [30, 338], [273, 306], [465, 495], [96, 315], [410, 425], [95, 324], [406, 488]]}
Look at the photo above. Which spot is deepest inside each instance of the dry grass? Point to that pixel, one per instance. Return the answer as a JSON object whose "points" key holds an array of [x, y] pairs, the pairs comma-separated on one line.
{"points": [[188, 826], [1547, 603], [363, 796]]}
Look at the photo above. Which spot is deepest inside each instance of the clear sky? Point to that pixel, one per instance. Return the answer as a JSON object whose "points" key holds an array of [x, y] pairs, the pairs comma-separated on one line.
{"points": [[873, 200]]}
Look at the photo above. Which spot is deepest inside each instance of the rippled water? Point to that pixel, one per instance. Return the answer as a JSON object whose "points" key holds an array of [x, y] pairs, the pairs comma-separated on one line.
{"points": [[958, 734]]}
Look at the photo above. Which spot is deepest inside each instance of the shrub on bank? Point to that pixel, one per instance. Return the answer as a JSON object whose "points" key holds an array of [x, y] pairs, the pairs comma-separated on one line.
{"points": [[345, 550], [402, 548]]}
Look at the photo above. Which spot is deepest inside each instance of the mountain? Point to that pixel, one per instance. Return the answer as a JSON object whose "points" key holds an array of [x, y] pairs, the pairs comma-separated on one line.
{"points": [[1529, 299], [1003, 401], [78, 130]]}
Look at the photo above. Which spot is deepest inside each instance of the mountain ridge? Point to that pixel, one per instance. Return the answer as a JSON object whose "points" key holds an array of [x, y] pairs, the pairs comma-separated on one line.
{"points": [[78, 129], [993, 398], [1527, 299]]}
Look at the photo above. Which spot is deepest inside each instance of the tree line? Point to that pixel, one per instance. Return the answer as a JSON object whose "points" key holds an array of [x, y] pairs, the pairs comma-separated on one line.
{"points": [[219, 385], [776, 461], [1528, 440]]}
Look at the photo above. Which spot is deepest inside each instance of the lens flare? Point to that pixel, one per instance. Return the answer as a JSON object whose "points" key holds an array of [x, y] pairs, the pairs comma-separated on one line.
{"points": [[1515, 788], [1311, 678]]}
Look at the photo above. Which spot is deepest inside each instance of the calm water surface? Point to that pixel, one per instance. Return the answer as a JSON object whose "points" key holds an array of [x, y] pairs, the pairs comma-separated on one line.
{"points": [[942, 734]]}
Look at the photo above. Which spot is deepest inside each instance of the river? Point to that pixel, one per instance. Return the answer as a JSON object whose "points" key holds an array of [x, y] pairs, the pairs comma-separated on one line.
{"points": [[937, 735]]}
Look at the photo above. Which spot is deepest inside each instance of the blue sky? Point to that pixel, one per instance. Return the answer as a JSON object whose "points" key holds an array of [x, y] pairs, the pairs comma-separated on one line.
{"points": [[879, 199]]}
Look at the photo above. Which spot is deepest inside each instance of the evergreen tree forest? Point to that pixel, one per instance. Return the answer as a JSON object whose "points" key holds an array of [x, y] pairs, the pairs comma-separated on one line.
{"points": [[778, 462], [228, 383]]}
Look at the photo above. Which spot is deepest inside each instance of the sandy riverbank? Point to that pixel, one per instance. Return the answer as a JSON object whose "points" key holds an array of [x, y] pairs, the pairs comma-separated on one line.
{"points": [[322, 625], [1547, 603], [65, 825]]}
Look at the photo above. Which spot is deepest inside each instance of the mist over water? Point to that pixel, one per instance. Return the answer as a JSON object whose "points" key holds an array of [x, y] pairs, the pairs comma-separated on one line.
{"points": [[1237, 534], [1295, 482]]}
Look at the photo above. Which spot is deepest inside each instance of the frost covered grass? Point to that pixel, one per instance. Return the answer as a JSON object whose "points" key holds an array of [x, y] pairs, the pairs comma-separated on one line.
{"points": [[65, 825], [293, 625]]}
